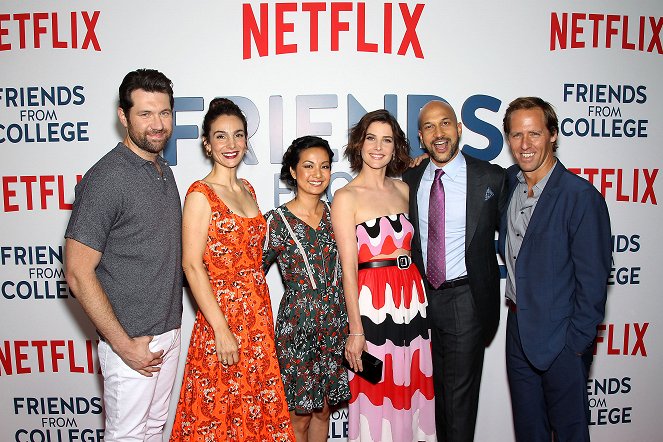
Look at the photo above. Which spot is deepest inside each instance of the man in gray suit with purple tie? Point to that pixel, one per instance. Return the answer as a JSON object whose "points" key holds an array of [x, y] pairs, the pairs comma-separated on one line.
{"points": [[455, 205]]}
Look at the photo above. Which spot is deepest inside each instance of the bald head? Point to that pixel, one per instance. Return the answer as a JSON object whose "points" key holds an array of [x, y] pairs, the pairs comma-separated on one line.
{"points": [[436, 105], [439, 131]]}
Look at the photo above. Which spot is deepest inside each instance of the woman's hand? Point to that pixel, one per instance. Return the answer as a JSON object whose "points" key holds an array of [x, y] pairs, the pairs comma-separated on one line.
{"points": [[414, 162], [353, 348], [227, 349]]}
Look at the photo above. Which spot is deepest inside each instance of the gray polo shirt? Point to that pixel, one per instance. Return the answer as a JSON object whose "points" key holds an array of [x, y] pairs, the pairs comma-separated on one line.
{"points": [[519, 213], [133, 216]]}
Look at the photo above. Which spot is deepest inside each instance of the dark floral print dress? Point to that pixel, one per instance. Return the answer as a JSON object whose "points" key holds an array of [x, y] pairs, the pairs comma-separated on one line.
{"points": [[311, 326]]}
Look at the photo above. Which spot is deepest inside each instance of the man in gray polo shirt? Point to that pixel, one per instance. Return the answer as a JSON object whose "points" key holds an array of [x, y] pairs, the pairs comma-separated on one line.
{"points": [[123, 261]]}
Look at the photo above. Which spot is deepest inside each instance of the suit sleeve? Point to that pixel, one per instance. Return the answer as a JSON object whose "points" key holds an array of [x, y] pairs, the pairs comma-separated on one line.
{"points": [[591, 249]]}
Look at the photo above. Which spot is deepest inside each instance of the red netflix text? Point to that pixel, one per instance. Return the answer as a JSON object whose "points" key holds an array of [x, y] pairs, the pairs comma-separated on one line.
{"points": [[260, 26], [621, 339], [57, 30], [579, 30], [47, 356], [26, 192], [635, 186]]}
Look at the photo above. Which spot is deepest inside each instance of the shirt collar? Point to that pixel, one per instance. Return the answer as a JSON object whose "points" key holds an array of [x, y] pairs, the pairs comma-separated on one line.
{"points": [[134, 159], [451, 169], [538, 187]]}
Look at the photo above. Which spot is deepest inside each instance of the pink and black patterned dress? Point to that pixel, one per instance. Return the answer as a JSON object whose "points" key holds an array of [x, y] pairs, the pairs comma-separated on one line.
{"points": [[392, 304]]}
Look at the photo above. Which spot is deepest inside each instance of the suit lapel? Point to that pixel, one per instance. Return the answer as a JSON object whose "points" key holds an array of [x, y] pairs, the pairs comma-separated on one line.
{"points": [[417, 174], [512, 182], [476, 195]]}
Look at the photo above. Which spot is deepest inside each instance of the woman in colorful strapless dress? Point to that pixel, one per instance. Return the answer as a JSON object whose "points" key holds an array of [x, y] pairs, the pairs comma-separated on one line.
{"points": [[384, 294]]}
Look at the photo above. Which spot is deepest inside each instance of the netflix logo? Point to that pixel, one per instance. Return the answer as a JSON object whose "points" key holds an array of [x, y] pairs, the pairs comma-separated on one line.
{"points": [[56, 30], [272, 28], [577, 30], [27, 192], [621, 339], [622, 185], [48, 356]]}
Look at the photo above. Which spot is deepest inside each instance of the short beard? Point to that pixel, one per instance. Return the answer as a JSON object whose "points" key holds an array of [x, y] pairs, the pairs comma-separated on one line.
{"points": [[448, 156], [143, 143]]}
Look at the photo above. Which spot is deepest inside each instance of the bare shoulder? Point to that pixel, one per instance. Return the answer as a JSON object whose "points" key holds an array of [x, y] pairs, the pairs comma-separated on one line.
{"points": [[196, 203], [401, 186], [344, 198]]}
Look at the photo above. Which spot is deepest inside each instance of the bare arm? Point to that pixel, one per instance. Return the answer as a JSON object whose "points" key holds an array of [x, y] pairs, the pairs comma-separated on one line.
{"points": [[80, 264], [195, 223], [343, 214]]}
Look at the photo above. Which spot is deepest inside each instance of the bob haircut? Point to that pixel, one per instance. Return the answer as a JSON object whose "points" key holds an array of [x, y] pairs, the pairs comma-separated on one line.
{"points": [[293, 153], [401, 160]]}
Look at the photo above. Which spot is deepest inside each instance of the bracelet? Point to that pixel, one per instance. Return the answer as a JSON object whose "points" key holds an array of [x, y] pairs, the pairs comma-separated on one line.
{"points": [[355, 334]]}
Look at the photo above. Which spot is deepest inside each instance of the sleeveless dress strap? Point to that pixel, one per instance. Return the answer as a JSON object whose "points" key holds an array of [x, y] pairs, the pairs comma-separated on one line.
{"points": [[299, 247]]}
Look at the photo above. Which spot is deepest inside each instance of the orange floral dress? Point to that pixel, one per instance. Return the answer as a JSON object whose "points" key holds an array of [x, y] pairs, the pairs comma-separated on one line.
{"points": [[245, 401]]}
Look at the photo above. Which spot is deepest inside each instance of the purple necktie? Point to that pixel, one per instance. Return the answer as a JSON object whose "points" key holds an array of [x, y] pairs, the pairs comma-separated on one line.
{"points": [[436, 268]]}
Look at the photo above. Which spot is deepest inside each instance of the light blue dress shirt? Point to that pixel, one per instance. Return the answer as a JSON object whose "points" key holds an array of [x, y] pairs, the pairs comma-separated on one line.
{"points": [[454, 181]]}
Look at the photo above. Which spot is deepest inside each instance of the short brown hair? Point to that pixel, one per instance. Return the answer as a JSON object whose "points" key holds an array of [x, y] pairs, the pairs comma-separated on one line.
{"points": [[401, 160], [149, 80], [549, 115]]}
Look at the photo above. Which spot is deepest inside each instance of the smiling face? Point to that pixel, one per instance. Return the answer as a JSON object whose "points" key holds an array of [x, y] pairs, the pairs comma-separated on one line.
{"points": [[149, 123], [531, 143], [377, 149], [226, 141], [313, 171], [439, 132]]}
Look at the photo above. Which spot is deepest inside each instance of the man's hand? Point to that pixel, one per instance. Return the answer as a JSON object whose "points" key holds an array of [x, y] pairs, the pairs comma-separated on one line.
{"points": [[137, 355]]}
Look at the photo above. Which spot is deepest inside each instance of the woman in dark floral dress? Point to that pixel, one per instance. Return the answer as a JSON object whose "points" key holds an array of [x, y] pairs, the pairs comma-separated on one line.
{"points": [[312, 322]]}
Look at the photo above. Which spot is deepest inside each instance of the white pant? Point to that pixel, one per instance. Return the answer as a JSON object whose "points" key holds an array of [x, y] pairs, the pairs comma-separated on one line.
{"points": [[136, 406]]}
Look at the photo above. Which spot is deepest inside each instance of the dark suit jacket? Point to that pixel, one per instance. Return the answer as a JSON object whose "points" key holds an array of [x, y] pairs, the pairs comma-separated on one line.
{"points": [[486, 197], [562, 267]]}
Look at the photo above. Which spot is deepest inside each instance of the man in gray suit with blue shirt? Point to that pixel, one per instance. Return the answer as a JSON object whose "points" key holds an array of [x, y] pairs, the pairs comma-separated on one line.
{"points": [[455, 205]]}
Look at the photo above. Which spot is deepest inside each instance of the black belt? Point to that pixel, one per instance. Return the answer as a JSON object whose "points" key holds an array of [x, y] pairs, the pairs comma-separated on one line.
{"points": [[451, 283], [402, 262], [512, 306]]}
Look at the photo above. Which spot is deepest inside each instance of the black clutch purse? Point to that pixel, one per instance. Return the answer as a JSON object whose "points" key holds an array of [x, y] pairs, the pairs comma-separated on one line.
{"points": [[371, 367]]}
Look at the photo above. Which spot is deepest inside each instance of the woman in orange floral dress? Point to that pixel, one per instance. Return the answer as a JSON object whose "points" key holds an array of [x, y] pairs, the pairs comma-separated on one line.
{"points": [[232, 388]]}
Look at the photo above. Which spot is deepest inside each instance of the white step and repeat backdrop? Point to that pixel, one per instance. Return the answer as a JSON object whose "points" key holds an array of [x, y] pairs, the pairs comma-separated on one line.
{"points": [[314, 68]]}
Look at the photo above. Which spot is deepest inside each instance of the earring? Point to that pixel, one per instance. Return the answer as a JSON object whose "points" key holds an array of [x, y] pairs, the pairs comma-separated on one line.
{"points": [[208, 152]]}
